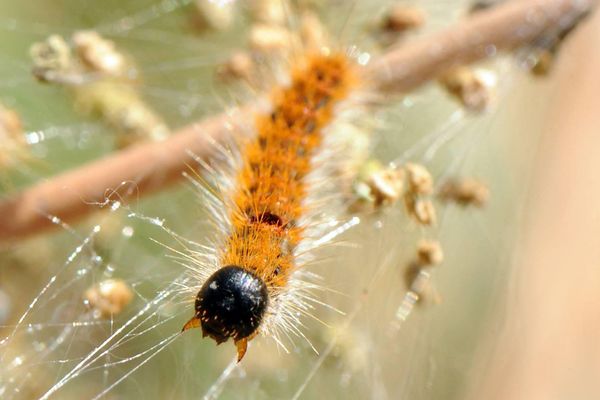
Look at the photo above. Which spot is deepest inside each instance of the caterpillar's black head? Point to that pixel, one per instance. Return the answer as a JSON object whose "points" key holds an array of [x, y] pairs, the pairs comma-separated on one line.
{"points": [[231, 304]]}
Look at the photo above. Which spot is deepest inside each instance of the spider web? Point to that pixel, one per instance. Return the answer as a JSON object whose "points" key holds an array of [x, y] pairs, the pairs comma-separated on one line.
{"points": [[54, 346]]}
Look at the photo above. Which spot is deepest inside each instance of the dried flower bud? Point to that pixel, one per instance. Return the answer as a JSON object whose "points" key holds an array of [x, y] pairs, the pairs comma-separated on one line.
{"points": [[545, 49], [109, 297], [465, 192], [540, 61], [122, 108], [378, 185], [106, 94], [98, 54], [239, 66], [429, 253], [419, 179], [386, 185], [473, 88], [52, 58], [402, 18], [422, 210], [215, 14]]}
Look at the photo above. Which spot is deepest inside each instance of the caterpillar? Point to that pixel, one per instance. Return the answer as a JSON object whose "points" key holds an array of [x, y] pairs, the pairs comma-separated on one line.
{"points": [[258, 257]]}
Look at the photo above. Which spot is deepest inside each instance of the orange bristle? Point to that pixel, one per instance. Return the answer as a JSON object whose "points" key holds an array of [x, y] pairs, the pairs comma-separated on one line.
{"points": [[271, 186]]}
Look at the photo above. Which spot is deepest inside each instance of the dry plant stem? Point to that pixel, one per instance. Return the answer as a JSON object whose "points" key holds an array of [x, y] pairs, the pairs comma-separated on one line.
{"points": [[549, 348], [153, 166], [122, 176], [482, 35]]}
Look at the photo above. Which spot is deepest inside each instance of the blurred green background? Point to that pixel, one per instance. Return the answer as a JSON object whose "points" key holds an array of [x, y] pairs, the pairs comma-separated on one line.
{"points": [[432, 356]]}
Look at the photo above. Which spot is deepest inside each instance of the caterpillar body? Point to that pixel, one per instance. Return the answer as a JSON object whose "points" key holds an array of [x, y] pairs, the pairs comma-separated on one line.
{"points": [[258, 257]]}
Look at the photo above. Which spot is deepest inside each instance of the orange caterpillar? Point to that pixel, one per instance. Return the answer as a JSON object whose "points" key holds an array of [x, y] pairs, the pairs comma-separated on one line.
{"points": [[269, 201]]}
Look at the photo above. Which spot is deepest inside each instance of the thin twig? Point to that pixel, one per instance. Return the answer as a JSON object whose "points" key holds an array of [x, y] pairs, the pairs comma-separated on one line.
{"points": [[153, 166], [505, 27]]}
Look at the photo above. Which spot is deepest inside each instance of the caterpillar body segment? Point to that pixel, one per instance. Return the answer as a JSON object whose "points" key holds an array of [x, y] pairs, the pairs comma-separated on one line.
{"points": [[269, 202]]}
